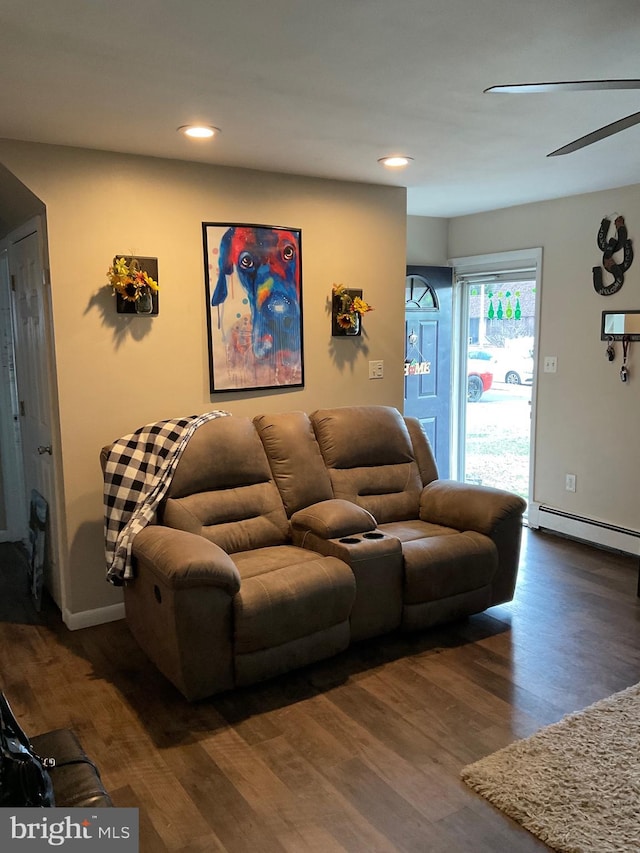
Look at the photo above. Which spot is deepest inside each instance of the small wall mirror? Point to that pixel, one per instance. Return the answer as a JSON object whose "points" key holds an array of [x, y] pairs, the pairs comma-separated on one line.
{"points": [[620, 324]]}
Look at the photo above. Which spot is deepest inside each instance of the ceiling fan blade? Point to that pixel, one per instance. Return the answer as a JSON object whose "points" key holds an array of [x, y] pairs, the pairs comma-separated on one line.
{"points": [[569, 86], [597, 135]]}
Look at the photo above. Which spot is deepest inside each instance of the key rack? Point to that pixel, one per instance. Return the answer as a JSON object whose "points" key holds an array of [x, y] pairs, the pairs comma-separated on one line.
{"points": [[617, 325]]}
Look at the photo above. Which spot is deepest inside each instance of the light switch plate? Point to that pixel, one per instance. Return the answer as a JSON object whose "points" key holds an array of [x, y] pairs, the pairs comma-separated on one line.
{"points": [[376, 370]]}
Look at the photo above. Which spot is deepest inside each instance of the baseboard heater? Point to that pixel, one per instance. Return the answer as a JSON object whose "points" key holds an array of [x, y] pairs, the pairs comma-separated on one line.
{"points": [[586, 529]]}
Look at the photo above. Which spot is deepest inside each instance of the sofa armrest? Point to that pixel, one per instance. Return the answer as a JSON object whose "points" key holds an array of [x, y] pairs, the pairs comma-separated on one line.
{"points": [[332, 519], [76, 779], [181, 559], [468, 507]]}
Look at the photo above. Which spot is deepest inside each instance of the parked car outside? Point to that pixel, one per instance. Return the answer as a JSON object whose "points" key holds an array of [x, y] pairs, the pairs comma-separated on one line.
{"points": [[511, 365], [479, 380]]}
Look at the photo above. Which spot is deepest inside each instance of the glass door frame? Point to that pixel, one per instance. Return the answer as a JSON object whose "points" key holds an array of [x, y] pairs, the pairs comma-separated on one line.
{"points": [[498, 262]]}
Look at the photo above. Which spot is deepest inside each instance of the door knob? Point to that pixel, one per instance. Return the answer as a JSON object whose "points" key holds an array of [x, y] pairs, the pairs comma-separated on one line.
{"points": [[44, 449]]}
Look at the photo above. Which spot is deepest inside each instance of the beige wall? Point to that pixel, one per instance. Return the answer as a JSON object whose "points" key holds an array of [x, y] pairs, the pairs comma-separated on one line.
{"points": [[587, 419], [116, 373], [427, 239]]}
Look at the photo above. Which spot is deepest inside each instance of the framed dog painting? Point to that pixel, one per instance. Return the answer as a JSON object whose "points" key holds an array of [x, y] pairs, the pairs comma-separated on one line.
{"points": [[253, 276]]}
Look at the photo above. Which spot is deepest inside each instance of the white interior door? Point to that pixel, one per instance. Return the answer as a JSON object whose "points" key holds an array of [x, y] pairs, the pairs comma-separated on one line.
{"points": [[13, 518], [35, 378]]}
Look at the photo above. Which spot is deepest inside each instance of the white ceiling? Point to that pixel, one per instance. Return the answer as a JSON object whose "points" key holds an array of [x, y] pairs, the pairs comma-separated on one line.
{"points": [[326, 87]]}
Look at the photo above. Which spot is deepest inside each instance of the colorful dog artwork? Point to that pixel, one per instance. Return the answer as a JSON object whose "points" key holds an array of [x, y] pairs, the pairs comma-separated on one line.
{"points": [[254, 286]]}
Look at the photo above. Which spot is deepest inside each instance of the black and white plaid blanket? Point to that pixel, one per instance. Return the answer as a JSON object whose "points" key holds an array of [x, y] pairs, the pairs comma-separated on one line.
{"points": [[137, 475]]}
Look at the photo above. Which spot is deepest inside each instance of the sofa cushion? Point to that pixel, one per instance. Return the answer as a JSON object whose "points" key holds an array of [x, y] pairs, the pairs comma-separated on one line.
{"points": [[388, 492], [234, 519], [287, 603], [411, 529], [370, 458], [359, 436], [221, 454], [442, 566], [295, 459], [261, 561], [223, 489]]}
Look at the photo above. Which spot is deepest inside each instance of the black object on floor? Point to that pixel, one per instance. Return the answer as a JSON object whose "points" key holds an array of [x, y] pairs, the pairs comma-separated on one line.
{"points": [[16, 602]]}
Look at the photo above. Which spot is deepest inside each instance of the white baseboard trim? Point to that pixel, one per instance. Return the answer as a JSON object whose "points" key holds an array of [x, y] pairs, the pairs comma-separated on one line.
{"points": [[599, 533], [88, 618]]}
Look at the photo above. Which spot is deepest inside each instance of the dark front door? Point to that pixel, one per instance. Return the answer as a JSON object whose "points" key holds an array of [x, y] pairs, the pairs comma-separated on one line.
{"points": [[427, 366]]}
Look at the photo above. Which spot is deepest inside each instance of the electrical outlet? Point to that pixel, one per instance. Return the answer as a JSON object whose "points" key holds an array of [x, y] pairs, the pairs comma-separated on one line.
{"points": [[376, 370], [570, 482], [550, 364]]}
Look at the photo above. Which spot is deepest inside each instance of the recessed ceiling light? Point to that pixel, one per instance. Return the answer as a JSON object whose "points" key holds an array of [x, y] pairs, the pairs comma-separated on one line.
{"points": [[395, 161], [198, 131]]}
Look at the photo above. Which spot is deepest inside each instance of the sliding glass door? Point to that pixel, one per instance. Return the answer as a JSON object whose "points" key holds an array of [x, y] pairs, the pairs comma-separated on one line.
{"points": [[497, 328]]}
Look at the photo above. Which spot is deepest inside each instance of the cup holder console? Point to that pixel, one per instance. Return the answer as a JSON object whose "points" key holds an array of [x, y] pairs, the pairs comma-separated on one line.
{"points": [[353, 540]]}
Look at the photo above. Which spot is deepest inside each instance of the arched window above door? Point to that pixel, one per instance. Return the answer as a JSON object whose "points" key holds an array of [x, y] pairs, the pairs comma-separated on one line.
{"points": [[419, 295]]}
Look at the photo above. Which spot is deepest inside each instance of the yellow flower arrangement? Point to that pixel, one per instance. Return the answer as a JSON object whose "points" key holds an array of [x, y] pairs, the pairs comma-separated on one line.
{"points": [[129, 281], [350, 308]]}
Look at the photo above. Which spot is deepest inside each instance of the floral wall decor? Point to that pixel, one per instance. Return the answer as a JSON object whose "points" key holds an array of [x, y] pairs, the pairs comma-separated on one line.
{"points": [[135, 284], [348, 306]]}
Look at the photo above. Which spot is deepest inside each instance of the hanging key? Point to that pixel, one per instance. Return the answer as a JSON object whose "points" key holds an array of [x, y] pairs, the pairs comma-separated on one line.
{"points": [[624, 373], [611, 352]]}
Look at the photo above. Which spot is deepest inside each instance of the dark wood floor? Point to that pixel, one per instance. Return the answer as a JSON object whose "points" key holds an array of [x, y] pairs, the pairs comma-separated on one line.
{"points": [[359, 753]]}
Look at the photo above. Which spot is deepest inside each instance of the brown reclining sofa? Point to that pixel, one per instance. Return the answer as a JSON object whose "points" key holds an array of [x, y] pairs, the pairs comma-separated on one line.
{"points": [[284, 538]]}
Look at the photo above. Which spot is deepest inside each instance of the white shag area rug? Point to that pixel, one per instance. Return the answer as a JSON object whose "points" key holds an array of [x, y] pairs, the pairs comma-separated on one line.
{"points": [[574, 784]]}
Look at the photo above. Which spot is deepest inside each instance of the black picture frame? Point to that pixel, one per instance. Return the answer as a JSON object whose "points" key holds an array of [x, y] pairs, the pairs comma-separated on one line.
{"points": [[253, 288]]}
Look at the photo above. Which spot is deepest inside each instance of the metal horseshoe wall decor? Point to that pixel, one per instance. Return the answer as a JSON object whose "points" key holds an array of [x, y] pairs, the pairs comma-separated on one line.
{"points": [[609, 248]]}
